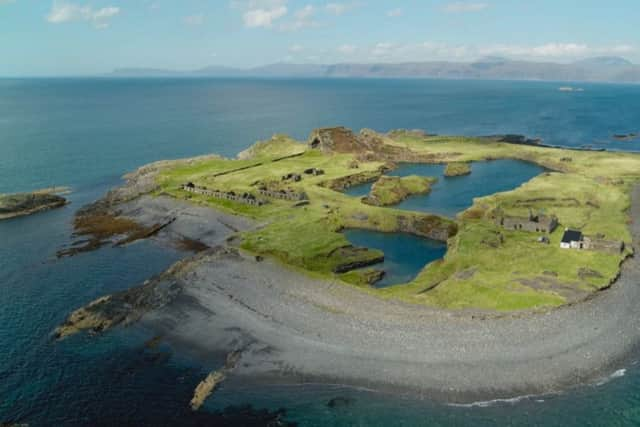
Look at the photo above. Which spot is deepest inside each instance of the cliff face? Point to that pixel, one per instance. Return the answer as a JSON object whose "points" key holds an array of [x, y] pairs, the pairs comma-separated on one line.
{"points": [[13, 205]]}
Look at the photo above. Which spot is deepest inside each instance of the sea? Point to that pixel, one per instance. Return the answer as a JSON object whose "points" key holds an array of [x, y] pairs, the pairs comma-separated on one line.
{"points": [[85, 133]]}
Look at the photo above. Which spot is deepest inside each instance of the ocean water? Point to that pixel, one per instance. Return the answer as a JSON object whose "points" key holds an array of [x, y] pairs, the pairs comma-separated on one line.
{"points": [[451, 195], [85, 133]]}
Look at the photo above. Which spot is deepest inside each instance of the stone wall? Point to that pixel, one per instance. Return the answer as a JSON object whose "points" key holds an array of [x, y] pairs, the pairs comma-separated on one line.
{"points": [[245, 198], [602, 245], [283, 194], [539, 225]]}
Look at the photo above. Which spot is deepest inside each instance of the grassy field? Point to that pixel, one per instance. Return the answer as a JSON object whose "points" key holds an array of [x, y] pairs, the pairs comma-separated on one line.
{"points": [[486, 267]]}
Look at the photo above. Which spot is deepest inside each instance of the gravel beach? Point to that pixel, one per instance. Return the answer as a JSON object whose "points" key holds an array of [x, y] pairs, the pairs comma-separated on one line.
{"points": [[291, 327]]}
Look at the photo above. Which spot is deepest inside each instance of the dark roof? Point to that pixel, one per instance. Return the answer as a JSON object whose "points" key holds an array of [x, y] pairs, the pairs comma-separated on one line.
{"points": [[571, 236]]}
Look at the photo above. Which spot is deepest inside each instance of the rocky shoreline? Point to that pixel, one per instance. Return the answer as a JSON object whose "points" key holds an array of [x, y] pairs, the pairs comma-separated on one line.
{"points": [[22, 204], [294, 328]]}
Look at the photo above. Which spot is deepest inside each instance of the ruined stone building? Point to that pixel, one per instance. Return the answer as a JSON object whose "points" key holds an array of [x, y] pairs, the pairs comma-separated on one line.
{"points": [[287, 194], [245, 198], [533, 223]]}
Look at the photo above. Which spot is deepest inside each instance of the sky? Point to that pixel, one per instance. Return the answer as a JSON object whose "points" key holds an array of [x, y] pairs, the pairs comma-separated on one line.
{"points": [[87, 37]]}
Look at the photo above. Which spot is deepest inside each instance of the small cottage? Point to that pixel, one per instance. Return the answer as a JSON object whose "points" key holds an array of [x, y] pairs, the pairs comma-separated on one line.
{"points": [[572, 239]]}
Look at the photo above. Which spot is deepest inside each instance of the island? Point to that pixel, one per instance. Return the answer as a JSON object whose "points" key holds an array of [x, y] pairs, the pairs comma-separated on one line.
{"points": [[391, 190], [536, 292], [457, 169], [21, 204]]}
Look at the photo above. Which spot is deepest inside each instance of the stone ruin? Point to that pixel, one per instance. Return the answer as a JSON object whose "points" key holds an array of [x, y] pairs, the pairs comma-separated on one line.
{"points": [[538, 223], [244, 198], [282, 194], [314, 171], [295, 177]]}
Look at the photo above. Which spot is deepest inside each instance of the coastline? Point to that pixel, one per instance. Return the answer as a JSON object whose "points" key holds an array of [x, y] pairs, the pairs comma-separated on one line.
{"points": [[294, 328]]}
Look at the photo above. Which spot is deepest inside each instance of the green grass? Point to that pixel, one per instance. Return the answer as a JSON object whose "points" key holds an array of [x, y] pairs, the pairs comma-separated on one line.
{"points": [[457, 169], [485, 267], [391, 190]]}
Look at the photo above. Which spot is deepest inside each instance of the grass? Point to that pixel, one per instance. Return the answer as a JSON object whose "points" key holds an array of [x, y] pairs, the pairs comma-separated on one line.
{"points": [[391, 190], [486, 267], [457, 169]]}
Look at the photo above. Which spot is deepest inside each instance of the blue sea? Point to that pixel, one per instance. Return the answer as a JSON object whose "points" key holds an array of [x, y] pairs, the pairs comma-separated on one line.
{"points": [[86, 133]]}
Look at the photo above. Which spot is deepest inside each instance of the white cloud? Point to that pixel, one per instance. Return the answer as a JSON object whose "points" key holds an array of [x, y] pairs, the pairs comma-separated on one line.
{"points": [[261, 13], [394, 13], [347, 49], [465, 7], [296, 48], [383, 49], [340, 8], [262, 17], [302, 18], [305, 13], [194, 20], [62, 12]]}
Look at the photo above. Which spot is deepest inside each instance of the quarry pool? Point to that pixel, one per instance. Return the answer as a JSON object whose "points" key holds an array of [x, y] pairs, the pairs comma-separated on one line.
{"points": [[451, 195], [404, 254]]}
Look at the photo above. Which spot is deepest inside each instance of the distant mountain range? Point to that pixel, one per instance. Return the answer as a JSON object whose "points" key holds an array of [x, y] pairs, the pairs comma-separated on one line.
{"points": [[600, 69]]}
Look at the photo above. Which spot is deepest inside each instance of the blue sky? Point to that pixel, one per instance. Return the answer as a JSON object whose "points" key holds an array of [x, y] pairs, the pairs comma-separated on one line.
{"points": [[75, 37]]}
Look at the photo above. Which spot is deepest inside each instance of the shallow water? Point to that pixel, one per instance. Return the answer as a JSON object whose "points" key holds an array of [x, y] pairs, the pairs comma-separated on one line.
{"points": [[86, 133], [451, 195], [405, 255]]}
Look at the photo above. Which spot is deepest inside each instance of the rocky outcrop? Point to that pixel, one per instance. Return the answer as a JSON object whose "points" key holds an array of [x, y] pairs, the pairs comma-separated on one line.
{"points": [[626, 136], [430, 226], [368, 145], [207, 386], [21, 204], [126, 307], [342, 140], [457, 169], [342, 183], [391, 190]]}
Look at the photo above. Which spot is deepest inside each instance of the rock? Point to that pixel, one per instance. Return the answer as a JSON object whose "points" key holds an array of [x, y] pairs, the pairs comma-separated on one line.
{"points": [[360, 216], [21, 204], [126, 307], [431, 226], [626, 136], [373, 276], [207, 386], [340, 402]]}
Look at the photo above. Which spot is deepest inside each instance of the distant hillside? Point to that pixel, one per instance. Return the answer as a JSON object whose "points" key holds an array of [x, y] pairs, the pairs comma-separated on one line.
{"points": [[601, 69]]}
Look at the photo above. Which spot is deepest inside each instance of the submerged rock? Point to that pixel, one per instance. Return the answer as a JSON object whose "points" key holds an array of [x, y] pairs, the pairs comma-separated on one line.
{"points": [[340, 402], [213, 380]]}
